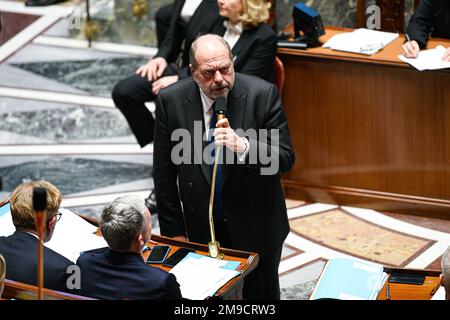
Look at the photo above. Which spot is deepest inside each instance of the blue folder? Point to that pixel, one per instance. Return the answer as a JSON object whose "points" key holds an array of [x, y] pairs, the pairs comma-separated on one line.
{"points": [[349, 279]]}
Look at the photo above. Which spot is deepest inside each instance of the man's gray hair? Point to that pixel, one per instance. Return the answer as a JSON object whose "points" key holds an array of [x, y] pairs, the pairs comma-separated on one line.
{"points": [[194, 46], [445, 264], [122, 220]]}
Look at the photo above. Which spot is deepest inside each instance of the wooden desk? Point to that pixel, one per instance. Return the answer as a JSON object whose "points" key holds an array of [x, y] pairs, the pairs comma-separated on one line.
{"points": [[21, 291], [412, 292], [233, 289], [368, 131]]}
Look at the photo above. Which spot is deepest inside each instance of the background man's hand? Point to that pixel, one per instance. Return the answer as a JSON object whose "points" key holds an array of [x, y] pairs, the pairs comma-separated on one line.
{"points": [[162, 83], [153, 69], [411, 49], [224, 135]]}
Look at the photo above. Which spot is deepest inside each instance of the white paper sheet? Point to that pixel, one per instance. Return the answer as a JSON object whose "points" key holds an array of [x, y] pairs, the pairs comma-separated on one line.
{"points": [[428, 59], [201, 278], [364, 41], [440, 294]]}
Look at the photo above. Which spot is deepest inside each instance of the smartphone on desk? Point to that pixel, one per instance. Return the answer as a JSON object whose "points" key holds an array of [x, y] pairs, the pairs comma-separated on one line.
{"points": [[158, 254], [177, 257], [406, 278]]}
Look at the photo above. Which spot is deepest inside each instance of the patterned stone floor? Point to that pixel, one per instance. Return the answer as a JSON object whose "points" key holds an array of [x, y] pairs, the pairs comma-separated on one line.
{"points": [[61, 125]]}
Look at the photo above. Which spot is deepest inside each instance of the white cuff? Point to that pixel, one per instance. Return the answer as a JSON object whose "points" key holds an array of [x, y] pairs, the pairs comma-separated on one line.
{"points": [[241, 155]]}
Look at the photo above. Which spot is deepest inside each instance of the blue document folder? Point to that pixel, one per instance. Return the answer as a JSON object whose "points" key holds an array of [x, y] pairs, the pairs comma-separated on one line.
{"points": [[349, 279]]}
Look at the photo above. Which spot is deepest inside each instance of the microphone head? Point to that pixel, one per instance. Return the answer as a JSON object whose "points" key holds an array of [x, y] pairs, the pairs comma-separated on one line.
{"points": [[220, 107], [39, 199]]}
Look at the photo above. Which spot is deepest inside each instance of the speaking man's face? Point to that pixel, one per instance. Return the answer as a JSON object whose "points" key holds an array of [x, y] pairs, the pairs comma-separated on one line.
{"points": [[214, 72]]}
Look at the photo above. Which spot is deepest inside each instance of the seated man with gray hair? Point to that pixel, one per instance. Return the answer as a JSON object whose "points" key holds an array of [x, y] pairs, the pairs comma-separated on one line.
{"points": [[120, 272], [445, 276]]}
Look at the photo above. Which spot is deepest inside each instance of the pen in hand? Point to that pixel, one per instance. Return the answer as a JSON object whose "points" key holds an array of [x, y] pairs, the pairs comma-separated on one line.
{"points": [[408, 38], [410, 48]]}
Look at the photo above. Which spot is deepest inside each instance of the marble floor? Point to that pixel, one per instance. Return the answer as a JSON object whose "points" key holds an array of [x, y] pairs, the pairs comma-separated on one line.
{"points": [[58, 122]]}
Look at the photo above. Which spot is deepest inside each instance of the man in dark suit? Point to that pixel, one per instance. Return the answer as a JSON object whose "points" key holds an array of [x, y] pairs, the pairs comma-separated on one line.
{"points": [[130, 94], [432, 17], [254, 54], [162, 22], [249, 208], [253, 51], [20, 249], [119, 272]]}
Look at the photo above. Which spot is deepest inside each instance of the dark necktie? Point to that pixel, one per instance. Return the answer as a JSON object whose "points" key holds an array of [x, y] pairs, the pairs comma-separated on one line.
{"points": [[218, 204]]}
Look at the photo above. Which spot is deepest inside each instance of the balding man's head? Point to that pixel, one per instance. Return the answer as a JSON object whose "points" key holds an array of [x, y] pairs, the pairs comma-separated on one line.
{"points": [[207, 44], [212, 65]]}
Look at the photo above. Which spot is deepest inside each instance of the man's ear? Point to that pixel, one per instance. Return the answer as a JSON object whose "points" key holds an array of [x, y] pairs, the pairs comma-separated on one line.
{"points": [[441, 279], [52, 222], [141, 240], [191, 68]]}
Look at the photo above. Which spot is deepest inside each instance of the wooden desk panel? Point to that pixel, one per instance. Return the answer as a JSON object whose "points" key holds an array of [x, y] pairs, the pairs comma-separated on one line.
{"points": [[368, 131]]}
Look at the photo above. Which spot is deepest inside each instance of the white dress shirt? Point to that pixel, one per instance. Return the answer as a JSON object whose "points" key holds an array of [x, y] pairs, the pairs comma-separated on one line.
{"points": [[233, 32], [33, 234], [207, 115], [189, 8]]}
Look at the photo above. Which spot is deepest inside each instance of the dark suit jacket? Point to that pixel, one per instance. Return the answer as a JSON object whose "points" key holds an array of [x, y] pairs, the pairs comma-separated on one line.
{"points": [[20, 253], [254, 52], [431, 17], [254, 204], [107, 274], [181, 35]]}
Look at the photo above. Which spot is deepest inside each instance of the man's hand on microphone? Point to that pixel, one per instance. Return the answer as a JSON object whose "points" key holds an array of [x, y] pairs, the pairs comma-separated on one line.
{"points": [[224, 135]]}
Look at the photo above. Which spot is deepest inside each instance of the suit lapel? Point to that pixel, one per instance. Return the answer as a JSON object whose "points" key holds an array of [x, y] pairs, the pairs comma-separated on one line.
{"points": [[241, 43], [193, 109]]}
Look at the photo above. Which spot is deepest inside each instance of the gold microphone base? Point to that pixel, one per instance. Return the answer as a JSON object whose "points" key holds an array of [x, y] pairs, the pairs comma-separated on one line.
{"points": [[214, 250]]}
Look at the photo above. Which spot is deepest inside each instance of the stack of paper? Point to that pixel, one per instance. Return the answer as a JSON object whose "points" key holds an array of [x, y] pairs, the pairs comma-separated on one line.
{"points": [[72, 234], [428, 59], [349, 279], [200, 276], [364, 41]]}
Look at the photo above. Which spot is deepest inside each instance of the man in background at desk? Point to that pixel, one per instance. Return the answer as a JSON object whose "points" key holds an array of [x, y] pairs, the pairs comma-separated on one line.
{"points": [[120, 272], [432, 17], [445, 276], [20, 249]]}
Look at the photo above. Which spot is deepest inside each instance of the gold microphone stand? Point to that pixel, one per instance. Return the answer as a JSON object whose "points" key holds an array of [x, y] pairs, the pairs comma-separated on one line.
{"points": [[214, 246]]}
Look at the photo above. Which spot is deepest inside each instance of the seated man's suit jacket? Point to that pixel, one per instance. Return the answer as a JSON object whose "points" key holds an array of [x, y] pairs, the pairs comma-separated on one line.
{"points": [[432, 17], [108, 274], [20, 253]]}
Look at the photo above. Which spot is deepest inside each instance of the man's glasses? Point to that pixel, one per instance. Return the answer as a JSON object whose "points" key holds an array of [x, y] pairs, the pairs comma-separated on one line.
{"points": [[58, 216]]}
